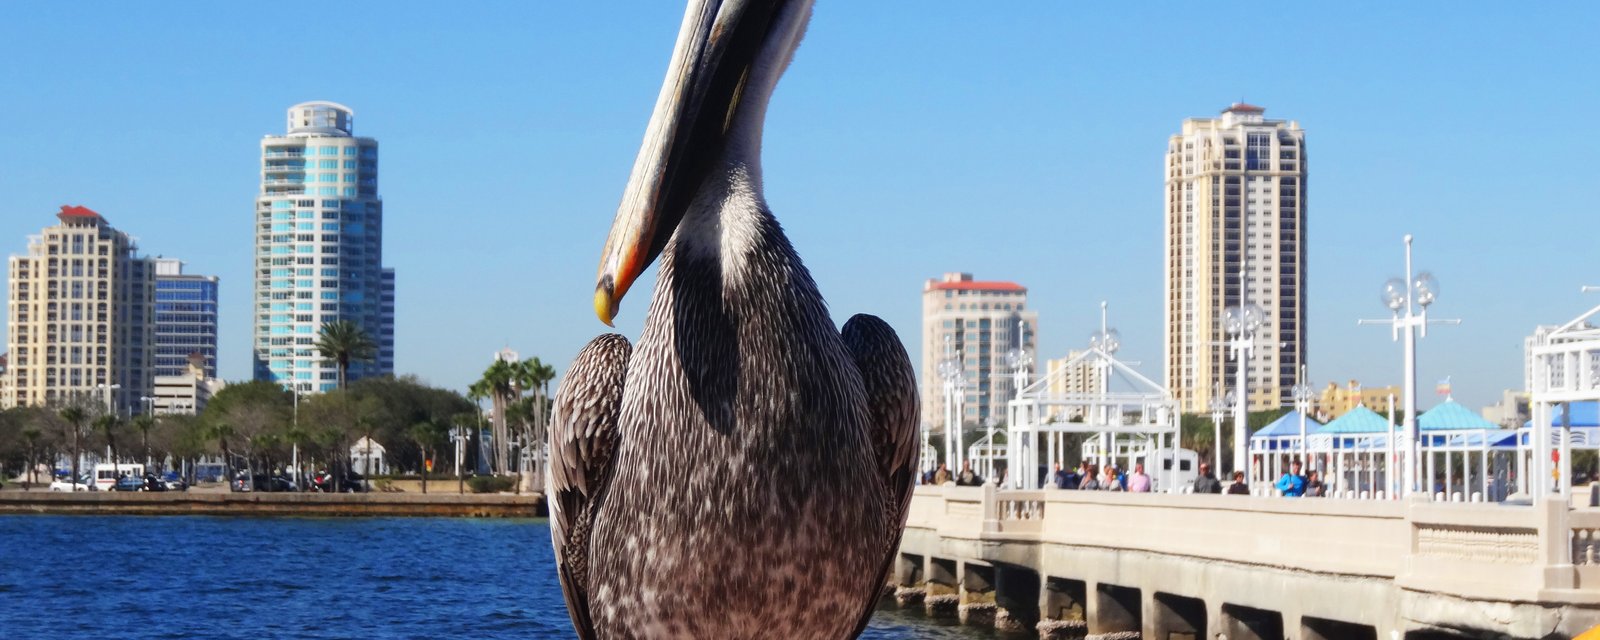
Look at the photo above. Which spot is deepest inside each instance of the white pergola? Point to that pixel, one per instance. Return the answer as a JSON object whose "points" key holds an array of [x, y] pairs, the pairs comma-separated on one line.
{"points": [[1128, 422], [1566, 370]]}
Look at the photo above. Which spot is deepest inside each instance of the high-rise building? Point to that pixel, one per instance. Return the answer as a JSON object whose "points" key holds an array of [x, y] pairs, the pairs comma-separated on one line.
{"points": [[1073, 374], [975, 325], [81, 317], [1235, 210], [319, 249], [186, 320]]}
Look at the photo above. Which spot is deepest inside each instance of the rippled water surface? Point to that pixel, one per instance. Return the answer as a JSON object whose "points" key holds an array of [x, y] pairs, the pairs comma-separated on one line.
{"points": [[134, 577]]}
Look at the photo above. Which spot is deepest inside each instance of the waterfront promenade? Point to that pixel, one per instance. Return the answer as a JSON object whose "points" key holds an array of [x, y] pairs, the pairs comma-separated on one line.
{"points": [[1073, 562]]}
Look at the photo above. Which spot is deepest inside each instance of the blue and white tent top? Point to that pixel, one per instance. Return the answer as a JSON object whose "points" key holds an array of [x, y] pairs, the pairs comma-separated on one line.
{"points": [[1356, 421], [1581, 415], [1287, 426], [1451, 416]]}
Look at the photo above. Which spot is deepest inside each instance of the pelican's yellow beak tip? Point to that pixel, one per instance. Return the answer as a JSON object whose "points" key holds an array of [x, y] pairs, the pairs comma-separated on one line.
{"points": [[603, 306]]}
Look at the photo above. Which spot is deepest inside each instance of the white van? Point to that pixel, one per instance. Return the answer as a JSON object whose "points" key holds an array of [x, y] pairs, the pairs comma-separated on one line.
{"points": [[1171, 469], [106, 474]]}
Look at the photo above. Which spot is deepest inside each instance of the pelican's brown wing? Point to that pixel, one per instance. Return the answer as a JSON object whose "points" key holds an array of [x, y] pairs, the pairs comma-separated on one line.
{"points": [[892, 405], [583, 437]]}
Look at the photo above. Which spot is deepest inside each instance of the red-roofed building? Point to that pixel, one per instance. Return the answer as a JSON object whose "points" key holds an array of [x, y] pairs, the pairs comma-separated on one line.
{"points": [[973, 324], [81, 317]]}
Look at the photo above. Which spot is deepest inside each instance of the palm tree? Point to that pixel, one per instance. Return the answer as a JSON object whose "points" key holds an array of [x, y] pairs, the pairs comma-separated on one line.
{"points": [[222, 431], [108, 425], [343, 342], [31, 436], [144, 424], [75, 417], [426, 435], [503, 383]]}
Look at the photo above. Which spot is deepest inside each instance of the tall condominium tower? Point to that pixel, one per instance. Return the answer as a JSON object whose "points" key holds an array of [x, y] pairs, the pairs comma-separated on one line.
{"points": [[82, 329], [319, 249], [1235, 206], [186, 320], [974, 325]]}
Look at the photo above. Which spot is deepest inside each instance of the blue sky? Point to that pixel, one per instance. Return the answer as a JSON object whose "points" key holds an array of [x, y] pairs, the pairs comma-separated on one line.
{"points": [[1020, 141]]}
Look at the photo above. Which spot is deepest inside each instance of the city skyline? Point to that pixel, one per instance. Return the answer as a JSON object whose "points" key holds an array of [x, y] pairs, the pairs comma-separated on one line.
{"points": [[500, 186]]}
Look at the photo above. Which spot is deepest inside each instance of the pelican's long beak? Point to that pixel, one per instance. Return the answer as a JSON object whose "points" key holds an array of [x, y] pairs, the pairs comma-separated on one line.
{"points": [[717, 45]]}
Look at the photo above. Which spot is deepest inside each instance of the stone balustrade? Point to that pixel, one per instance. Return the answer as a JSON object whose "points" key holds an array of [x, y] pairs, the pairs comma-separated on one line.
{"points": [[1249, 566]]}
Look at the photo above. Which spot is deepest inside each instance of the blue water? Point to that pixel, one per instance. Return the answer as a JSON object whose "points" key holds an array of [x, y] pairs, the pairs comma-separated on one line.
{"points": [[253, 578]]}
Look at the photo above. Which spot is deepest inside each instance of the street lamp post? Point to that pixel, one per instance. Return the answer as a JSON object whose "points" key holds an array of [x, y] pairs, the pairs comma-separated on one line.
{"points": [[1221, 405], [955, 390], [1106, 341], [1241, 324], [1302, 404], [108, 388], [149, 405], [1408, 299]]}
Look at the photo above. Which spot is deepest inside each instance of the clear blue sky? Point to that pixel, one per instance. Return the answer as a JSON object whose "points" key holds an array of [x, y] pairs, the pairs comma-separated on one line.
{"points": [[1018, 142]]}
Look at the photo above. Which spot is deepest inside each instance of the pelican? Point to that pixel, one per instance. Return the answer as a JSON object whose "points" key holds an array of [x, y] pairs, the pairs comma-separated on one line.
{"points": [[744, 470]]}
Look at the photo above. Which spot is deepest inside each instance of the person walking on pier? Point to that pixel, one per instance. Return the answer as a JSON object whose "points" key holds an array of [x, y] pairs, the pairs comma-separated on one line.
{"points": [[1314, 486], [1292, 484], [1138, 482], [1207, 482], [941, 476], [1238, 488], [967, 477], [1090, 482], [1109, 480]]}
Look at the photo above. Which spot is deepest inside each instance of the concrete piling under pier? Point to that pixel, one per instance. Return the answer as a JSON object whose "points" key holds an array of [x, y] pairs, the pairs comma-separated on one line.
{"points": [[1071, 564]]}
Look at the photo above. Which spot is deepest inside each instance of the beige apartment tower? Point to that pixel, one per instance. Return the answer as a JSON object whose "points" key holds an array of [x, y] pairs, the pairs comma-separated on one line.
{"points": [[975, 325], [82, 317], [1235, 204]]}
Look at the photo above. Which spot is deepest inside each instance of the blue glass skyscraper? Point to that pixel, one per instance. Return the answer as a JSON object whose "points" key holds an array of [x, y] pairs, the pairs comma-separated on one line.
{"points": [[185, 319], [319, 249]]}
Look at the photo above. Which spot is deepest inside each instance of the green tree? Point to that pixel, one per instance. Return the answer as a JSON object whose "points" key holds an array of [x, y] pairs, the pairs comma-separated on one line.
{"points": [[221, 431], [144, 424], [30, 435], [108, 425], [74, 417], [427, 435], [343, 342]]}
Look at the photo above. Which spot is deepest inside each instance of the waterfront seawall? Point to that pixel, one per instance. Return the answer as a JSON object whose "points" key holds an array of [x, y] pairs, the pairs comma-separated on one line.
{"points": [[273, 504]]}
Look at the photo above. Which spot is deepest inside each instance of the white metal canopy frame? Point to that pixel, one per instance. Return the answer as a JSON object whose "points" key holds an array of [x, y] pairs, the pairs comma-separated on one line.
{"points": [[1130, 422], [1566, 369]]}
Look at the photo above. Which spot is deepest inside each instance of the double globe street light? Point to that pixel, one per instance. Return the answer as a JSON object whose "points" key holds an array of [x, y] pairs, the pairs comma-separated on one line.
{"points": [[1408, 300], [1241, 323]]}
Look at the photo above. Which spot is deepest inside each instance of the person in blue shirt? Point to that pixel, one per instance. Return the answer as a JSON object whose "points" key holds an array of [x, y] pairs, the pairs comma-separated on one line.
{"points": [[1292, 484]]}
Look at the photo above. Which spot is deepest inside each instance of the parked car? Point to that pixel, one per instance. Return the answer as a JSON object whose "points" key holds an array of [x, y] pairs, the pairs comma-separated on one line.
{"points": [[128, 483], [264, 482], [62, 484]]}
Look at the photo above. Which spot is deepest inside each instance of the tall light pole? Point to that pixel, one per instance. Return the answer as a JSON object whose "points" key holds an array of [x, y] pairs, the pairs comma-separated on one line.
{"points": [[1408, 299], [1302, 404], [149, 405], [1106, 341], [1241, 323], [107, 389], [1221, 405], [1021, 361], [955, 392]]}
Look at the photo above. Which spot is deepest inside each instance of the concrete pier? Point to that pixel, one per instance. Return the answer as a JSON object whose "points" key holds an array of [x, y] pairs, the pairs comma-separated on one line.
{"points": [[1070, 564]]}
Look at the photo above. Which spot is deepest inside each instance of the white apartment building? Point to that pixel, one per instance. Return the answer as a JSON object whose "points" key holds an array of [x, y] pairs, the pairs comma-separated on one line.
{"points": [[1235, 205], [974, 324], [319, 249], [81, 317]]}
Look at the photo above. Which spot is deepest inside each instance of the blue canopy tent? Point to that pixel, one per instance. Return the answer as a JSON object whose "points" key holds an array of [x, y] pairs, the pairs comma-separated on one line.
{"points": [[1448, 430], [1348, 440], [1274, 446]]}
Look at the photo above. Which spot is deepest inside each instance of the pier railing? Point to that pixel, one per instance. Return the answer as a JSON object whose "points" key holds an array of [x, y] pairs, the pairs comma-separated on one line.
{"points": [[1546, 552]]}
